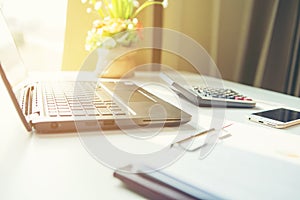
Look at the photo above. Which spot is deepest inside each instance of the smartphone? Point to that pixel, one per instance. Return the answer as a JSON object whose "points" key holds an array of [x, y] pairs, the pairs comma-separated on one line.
{"points": [[277, 118]]}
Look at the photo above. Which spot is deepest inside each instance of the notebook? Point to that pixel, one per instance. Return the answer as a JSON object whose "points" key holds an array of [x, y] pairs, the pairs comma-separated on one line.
{"points": [[51, 106]]}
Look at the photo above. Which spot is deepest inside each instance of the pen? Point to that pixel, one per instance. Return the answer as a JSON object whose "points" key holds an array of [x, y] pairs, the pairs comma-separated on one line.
{"points": [[196, 135]]}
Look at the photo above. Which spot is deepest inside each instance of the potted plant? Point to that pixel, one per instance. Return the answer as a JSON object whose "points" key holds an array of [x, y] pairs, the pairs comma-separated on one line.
{"points": [[116, 27]]}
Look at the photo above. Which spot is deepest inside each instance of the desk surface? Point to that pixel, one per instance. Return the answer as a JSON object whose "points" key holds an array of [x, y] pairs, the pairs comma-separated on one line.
{"points": [[256, 161]]}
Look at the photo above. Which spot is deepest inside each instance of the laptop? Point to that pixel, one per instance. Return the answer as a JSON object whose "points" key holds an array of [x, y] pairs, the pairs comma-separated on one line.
{"points": [[66, 106]]}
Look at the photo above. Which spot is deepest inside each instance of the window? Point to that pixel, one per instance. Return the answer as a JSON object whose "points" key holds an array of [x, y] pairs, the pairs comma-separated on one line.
{"points": [[38, 27]]}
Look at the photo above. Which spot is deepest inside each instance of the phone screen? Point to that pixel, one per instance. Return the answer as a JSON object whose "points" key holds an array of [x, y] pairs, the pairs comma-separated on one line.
{"points": [[281, 114]]}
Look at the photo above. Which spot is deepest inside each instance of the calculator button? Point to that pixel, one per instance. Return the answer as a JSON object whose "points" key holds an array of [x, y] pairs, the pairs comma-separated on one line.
{"points": [[238, 98], [247, 99]]}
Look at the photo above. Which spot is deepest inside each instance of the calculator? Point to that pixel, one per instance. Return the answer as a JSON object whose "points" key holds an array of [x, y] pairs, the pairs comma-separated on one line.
{"points": [[209, 96]]}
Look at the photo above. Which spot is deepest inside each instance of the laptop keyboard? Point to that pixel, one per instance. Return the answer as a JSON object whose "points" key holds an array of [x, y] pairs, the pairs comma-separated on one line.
{"points": [[68, 99]]}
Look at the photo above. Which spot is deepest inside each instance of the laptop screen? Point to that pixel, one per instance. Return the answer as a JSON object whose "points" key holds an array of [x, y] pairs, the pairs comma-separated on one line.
{"points": [[12, 65], [10, 58]]}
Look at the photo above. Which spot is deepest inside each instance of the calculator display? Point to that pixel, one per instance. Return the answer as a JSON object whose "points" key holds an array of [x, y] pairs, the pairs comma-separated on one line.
{"points": [[281, 114]]}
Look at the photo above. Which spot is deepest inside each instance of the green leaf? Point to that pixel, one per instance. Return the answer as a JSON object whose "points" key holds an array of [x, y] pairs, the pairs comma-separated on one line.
{"points": [[145, 5]]}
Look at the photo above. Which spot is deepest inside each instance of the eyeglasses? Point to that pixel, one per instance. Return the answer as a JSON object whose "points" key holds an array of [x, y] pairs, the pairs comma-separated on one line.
{"points": [[179, 143]]}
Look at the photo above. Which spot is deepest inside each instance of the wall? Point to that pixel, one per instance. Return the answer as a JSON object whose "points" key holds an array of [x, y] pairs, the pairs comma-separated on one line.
{"points": [[77, 25]]}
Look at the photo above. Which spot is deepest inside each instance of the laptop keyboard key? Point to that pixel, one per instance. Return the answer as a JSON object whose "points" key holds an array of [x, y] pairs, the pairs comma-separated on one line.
{"points": [[53, 114], [104, 111], [78, 112], [92, 112], [65, 114]]}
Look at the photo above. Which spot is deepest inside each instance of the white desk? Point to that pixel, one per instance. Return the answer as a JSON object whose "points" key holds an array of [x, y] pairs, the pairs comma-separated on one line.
{"points": [[35, 166]]}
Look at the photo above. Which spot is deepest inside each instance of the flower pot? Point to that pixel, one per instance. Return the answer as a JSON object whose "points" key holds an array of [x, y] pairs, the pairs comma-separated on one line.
{"points": [[115, 63]]}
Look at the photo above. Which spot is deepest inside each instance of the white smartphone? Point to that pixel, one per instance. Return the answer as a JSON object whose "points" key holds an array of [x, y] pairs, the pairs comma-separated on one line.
{"points": [[277, 118]]}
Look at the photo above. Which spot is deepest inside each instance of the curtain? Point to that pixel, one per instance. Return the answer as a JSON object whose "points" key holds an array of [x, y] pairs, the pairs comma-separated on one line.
{"points": [[255, 42], [271, 58]]}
